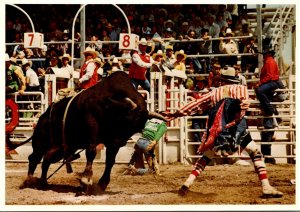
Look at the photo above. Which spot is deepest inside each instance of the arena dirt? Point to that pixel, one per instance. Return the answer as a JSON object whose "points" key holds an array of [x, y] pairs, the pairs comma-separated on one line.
{"points": [[218, 185]]}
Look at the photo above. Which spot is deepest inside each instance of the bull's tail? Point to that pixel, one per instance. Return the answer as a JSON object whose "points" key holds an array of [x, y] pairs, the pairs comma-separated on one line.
{"points": [[12, 145]]}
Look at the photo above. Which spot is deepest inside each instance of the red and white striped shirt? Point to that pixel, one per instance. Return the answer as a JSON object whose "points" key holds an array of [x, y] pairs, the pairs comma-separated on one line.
{"points": [[210, 99]]}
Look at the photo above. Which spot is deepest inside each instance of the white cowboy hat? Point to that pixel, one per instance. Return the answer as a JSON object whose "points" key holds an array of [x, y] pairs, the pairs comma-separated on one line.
{"points": [[159, 53], [65, 56], [25, 62], [169, 47], [143, 42], [181, 52], [229, 32], [91, 51], [228, 74]]}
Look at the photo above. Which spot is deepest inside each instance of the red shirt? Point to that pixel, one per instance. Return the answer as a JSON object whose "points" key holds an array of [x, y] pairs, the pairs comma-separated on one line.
{"points": [[269, 71], [136, 71], [92, 81]]}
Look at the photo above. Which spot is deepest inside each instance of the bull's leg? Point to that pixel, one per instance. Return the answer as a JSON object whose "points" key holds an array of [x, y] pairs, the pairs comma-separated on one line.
{"points": [[53, 156], [111, 153], [87, 175], [34, 159]]}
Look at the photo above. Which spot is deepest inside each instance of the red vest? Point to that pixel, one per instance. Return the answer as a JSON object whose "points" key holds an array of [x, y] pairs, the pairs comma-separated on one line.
{"points": [[137, 72], [92, 81]]}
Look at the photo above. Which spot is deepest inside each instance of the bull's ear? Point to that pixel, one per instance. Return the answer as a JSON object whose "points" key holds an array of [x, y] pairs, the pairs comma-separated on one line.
{"points": [[156, 115]]}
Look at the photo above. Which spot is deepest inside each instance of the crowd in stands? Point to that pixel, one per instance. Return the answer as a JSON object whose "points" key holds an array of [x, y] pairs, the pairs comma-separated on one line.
{"points": [[157, 23]]}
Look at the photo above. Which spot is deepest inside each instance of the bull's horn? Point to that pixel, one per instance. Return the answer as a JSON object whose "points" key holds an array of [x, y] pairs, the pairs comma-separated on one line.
{"points": [[156, 115], [131, 102]]}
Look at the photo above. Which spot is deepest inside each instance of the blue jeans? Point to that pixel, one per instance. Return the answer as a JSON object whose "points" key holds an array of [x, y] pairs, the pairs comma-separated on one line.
{"points": [[145, 84], [264, 94]]}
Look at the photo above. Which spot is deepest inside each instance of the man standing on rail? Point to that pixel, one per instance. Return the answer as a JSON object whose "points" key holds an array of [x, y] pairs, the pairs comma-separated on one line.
{"points": [[141, 61], [88, 72]]}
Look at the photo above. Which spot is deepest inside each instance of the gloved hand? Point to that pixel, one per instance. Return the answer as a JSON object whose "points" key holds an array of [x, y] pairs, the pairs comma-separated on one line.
{"points": [[151, 145]]}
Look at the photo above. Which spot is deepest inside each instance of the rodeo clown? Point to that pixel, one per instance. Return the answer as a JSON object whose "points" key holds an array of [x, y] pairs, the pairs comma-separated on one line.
{"points": [[153, 131], [226, 129]]}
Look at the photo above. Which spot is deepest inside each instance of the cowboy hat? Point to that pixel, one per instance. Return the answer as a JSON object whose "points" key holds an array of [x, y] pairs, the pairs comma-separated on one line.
{"points": [[168, 22], [169, 47], [229, 32], [91, 51], [143, 42], [159, 53], [181, 52], [228, 74], [65, 56], [26, 62], [99, 61]]}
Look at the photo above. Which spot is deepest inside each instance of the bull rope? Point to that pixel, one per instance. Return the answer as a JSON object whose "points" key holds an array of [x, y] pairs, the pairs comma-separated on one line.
{"points": [[65, 116], [65, 162]]}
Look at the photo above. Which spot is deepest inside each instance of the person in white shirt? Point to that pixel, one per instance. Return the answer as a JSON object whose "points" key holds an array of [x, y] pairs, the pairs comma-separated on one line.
{"points": [[230, 47], [32, 80], [66, 67]]}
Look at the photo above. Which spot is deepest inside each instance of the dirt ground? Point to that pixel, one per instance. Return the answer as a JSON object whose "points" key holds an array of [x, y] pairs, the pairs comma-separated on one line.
{"points": [[218, 185]]}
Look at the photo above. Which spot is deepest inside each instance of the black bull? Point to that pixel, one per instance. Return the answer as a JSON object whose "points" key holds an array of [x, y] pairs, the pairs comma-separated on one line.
{"points": [[109, 112]]}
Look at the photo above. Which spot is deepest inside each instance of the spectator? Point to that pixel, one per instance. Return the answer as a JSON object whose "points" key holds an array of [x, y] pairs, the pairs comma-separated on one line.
{"points": [[239, 76], [245, 31], [150, 43], [95, 43], [192, 48], [65, 47], [15, 79], [205, 48], [88, 73], [65, 60], [250, 60], [179, 66], [229, 47], [269, 82], [169, 59], [99, 64], [221, 21], [158, 56], [32, 80], [213, 31], [223, 10], [180, 61], [141, 61]]}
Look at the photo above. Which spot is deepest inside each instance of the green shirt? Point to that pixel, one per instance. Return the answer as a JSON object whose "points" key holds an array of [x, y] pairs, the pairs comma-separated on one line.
{"points": [[154, 129], [12, 79]]}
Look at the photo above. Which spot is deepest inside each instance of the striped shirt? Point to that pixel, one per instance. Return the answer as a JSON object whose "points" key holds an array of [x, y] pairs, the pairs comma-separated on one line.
{"points": [[210, 99]]}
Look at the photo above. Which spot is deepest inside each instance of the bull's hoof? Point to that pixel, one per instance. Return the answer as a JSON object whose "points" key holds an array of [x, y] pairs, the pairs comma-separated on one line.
{"points": [[86, 181], [183, 190], [34, 182]]}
